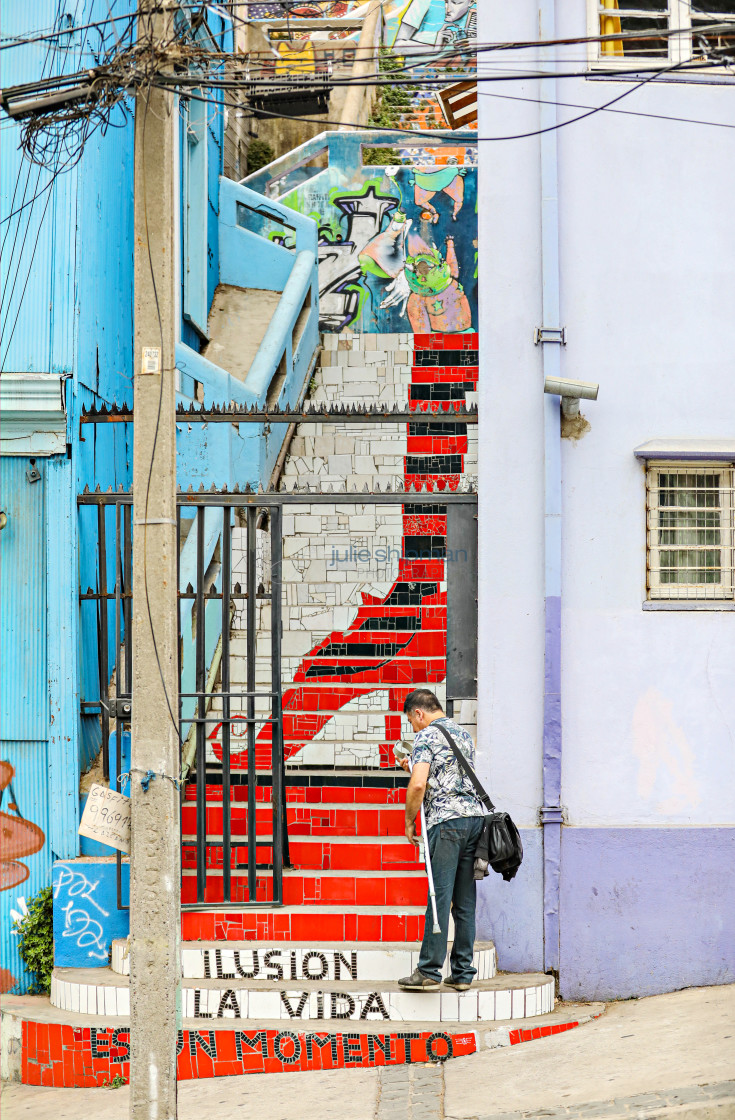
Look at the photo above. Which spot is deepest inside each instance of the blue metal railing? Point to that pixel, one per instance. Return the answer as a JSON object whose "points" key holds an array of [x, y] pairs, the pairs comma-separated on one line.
{"points": [[265, 245], [343, 150]]}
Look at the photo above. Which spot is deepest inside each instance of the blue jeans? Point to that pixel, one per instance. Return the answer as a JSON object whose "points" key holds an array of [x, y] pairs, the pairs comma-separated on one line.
{"points": [[452, 849]]}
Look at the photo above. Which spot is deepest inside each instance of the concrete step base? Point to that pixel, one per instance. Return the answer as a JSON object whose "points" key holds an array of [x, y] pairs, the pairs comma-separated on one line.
{"points": [[43, 1045]]}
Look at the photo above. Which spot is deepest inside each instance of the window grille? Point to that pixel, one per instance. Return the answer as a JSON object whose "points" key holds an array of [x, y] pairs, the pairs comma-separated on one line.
{"points": [[691, 530], [659, 18]]}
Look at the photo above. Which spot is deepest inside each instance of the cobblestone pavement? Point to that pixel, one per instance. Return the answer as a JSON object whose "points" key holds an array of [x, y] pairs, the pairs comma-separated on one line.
{"points": [[414, 1092], [410, 1092], [716, 1101]]}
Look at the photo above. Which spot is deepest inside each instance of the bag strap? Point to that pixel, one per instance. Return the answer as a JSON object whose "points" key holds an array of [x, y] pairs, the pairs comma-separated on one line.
{"points": [[484, 797]]}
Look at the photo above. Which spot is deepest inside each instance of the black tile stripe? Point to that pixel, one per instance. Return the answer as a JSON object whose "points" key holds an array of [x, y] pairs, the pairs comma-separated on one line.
{"points": [[446, 357], [433, 464]]}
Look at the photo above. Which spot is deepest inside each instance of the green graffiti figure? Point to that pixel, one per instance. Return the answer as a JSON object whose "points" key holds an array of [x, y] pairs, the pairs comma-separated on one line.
{"points": [[430, 293]]}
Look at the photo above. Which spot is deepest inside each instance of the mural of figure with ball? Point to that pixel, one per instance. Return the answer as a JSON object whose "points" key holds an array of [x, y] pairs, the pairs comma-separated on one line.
{"points": [[424, 283], [436, 23]]}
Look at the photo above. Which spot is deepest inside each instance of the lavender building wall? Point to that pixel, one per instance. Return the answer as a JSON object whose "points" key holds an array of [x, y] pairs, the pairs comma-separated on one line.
{"points": [[646, 288]]}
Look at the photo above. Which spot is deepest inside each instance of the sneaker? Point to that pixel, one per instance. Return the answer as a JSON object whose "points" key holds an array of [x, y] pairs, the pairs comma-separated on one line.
{"points": [[417, 982], [458, 985]]}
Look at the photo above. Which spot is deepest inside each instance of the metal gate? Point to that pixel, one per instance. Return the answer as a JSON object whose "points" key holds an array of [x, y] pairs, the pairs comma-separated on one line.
{"points": [[208, 600], [210, 596]]}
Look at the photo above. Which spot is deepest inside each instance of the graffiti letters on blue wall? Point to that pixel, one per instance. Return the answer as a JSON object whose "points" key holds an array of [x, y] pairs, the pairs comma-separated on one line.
{"points": [[86, 917]]}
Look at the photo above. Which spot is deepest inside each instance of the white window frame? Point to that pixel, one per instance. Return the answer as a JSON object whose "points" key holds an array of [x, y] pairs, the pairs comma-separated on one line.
{"points": [[682, 594], [680, 46]]}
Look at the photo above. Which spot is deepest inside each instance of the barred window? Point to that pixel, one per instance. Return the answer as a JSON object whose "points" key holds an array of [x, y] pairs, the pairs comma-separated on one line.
{"points": [[691, 530], [666, 30]]}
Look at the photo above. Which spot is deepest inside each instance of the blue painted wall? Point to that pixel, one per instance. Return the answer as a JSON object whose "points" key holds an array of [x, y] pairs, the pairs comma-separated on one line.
{"points": [[86, 918], [67, 276]]}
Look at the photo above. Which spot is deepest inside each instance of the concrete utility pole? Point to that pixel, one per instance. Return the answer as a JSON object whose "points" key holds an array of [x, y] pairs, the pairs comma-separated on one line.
{"points": [[356, 108], [155, 971]]}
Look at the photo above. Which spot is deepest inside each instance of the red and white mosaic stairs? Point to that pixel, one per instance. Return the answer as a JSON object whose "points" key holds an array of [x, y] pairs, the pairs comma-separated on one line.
{"points": [[275, 990], [268, 990], [312, 984]]}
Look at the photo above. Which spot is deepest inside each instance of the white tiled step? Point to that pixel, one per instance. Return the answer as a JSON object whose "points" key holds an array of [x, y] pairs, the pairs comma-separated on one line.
{"points": [[504, 997], [301, 961]]}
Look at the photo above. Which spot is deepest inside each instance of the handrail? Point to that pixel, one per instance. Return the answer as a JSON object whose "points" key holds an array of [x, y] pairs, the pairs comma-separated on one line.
{"points": [[279, 334], [266, 180], [234, 194]]}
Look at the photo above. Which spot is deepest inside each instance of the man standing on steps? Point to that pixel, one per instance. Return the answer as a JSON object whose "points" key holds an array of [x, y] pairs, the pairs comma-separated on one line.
{"points": [[454, 816]]}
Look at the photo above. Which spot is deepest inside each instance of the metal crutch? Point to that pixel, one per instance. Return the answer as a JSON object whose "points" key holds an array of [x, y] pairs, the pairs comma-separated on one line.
{"points": [[402, 750]]}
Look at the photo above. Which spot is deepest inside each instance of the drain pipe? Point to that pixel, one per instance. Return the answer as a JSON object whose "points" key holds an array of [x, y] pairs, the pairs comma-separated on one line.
{"points": [[550, 337]]}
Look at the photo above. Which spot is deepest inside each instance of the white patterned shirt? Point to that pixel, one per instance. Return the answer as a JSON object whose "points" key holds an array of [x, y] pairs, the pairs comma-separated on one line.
{"points": [[449, 791]]}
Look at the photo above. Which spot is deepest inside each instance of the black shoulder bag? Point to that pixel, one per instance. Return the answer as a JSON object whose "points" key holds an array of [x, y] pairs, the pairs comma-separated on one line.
{"points": [[499, 845]]}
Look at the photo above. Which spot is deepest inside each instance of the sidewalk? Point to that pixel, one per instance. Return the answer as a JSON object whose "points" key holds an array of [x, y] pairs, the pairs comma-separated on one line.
{"points": [[665, 1056]]}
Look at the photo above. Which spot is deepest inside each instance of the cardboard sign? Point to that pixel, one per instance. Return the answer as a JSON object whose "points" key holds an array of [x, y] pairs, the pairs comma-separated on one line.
{"points": [[106, 818]]}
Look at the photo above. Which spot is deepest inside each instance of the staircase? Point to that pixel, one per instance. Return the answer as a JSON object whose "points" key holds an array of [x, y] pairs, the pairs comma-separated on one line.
{"points": [[312, 984]]}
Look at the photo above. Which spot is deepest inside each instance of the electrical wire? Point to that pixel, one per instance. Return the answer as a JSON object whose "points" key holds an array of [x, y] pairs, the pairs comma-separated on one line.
{"points": [[10, 286], [621, 112], [436, 134]]}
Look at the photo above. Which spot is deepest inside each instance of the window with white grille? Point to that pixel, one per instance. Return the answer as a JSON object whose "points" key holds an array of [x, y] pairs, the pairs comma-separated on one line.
{"points": [[670, 31], [691, 530]]}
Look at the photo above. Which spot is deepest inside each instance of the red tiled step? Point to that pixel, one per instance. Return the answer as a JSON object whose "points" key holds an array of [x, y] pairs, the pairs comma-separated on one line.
{"points": [[326, 887], [358, 853], [71, 1050], [320, 819], [305, 923], [57, 1046], [354, 786]]}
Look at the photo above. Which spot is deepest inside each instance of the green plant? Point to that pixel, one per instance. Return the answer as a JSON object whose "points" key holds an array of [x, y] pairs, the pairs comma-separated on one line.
{"points": [[260, 154], [393, 102], [384, 157], [117, 1082], [36, 940]]}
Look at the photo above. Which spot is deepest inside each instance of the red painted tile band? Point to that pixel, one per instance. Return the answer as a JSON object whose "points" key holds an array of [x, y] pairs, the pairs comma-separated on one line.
{"points": [[97, 1059]]}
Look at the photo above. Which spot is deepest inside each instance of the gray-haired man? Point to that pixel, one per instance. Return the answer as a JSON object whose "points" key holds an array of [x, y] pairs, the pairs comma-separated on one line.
{"points": [[454, 816]]}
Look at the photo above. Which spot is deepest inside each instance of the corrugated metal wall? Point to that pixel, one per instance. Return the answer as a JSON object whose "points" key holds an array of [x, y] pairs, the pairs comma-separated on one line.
{"points": [[23, 688], [36, 267], [23, 684], [67, 275]]}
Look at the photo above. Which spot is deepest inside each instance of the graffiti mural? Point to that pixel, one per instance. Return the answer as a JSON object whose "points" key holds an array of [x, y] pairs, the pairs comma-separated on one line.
{"points": [[20, 838], [410, 25], [432, 23], [320, 9], [397, 248], [86, 916]]}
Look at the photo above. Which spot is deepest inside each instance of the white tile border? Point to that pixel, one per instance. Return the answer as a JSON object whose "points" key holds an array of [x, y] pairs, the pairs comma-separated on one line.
{"points": [[476, 1005], [373, 964]]}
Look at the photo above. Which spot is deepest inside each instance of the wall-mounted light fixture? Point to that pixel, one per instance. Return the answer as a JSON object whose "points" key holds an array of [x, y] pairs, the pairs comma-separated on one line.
{"points": [[571, 392]]}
